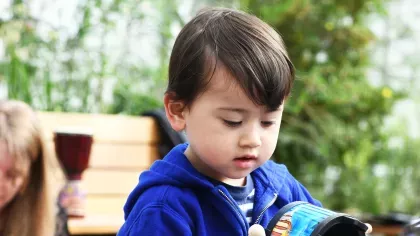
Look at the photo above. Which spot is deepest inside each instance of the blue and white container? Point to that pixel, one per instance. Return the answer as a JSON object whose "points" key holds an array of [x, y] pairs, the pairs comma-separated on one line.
{"points": [[304, 219]]}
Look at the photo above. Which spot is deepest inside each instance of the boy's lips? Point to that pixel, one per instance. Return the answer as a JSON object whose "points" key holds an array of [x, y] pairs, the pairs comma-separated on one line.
{"points": [[247, 157], [245, 162]]}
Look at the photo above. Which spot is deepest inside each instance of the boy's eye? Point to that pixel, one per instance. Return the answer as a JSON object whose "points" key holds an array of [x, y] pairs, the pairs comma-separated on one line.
{"points": [[232, 123], [267, 123]]}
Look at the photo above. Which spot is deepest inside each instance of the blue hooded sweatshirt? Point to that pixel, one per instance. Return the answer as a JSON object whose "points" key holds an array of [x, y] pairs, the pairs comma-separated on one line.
{"points": [[173, 198]]}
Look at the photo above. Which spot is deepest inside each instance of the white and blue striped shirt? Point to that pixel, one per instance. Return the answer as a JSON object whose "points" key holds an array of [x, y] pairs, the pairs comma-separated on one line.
{"points": [[244, 196]]}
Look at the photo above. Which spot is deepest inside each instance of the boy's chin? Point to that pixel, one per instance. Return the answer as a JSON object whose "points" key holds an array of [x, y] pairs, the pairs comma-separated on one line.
{"points": [[236, 177], [242, 175]]}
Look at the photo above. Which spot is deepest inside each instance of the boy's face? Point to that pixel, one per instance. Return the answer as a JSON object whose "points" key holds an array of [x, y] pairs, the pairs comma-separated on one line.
{"points": [[229, 135], [10, 181]]}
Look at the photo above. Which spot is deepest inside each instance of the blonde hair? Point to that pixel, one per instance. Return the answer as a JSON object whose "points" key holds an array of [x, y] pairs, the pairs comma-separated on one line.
{"points": [[32, 211]]}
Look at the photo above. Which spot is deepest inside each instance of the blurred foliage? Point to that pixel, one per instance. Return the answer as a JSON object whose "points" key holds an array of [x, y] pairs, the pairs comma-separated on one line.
{"points": [[131, 103], [57, 68], [332, 137]]}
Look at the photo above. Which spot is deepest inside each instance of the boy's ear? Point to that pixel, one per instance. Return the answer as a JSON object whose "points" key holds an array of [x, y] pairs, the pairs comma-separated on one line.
{"points": [[174, 112]]}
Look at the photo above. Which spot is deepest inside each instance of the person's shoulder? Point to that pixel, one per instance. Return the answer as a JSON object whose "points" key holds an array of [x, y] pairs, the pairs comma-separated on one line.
{"points": [[167, 196], [164, 199], [286, 184], [279, 176], [279, 173], [157, 208], [275, 170], [167, 193]]}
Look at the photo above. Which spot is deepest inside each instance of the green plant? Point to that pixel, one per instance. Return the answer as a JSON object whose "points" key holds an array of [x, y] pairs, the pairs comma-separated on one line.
{"points": [[77, 70], [331, 137], [131, 102]]}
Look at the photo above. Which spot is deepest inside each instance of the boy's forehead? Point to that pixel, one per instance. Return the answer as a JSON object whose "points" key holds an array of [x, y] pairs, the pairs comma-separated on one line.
{"points": [[227, 90], [223, 81], [223, 87]]}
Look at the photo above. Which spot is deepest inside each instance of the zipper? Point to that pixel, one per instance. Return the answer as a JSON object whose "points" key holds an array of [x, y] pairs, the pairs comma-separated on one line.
{"points": [[234, 207], [265, 208]]}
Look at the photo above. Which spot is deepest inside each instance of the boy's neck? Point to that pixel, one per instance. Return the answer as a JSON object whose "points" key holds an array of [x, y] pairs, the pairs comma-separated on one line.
{"points": [[205, 170], [236, 182]]}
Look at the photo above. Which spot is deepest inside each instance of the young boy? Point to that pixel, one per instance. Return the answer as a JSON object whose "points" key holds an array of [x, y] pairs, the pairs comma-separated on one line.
{"points": [[229, 77]]}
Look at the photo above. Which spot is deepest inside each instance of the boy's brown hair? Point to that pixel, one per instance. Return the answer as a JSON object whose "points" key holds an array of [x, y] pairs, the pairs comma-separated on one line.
{"points": [[250, 49]]}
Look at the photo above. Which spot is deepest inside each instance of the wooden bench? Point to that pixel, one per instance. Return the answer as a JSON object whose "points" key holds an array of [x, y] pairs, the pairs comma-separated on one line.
{"points": [[387, 230], [123, 147]]}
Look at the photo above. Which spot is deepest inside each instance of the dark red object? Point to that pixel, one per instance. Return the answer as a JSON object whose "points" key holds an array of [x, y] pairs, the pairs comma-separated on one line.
{"points": [[73, 152]]}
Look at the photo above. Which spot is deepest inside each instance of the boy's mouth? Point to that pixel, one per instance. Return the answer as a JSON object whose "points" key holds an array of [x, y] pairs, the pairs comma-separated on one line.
{"points": [[245, 161], [246, 157]]}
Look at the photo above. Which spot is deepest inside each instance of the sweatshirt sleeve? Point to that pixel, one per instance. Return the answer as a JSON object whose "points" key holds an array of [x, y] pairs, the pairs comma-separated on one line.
{"points": [[156, 220]]}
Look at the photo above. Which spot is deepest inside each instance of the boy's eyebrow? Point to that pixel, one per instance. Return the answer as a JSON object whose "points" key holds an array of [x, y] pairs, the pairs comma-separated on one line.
{"points": [[233, 109], [242, 111], [273, 110]]}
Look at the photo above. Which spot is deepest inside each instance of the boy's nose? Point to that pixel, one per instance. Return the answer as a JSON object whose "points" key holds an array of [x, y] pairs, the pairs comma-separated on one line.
{"points": [[251, 138]]}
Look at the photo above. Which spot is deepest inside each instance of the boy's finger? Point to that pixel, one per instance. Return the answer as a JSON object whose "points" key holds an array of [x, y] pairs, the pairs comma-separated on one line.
{"points": [[369, 230]]}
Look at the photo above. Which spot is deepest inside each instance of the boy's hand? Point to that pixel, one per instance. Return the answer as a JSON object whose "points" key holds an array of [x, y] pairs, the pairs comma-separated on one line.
{"points": [[256, 230], [369, 230]]}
